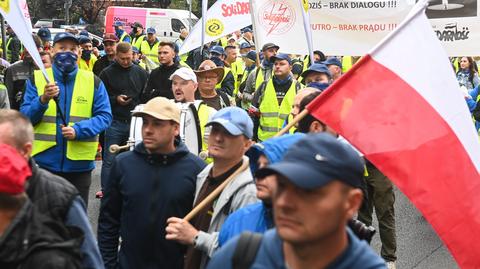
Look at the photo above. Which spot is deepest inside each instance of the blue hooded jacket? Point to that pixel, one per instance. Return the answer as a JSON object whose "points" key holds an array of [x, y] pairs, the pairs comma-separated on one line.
{"points": [[55, 159], [257, 217], [270, 254]]}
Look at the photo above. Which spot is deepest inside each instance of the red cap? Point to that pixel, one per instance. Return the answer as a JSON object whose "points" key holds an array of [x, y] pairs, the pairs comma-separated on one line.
{"points": [[14, 171], [110, 37]]}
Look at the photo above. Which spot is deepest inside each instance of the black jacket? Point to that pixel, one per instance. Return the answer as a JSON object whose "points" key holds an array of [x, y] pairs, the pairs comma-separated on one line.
{"points": [[143, 191], [15, 77], [159, 83], [34, 240], [101, 64], [128, 81], [51, 194]]}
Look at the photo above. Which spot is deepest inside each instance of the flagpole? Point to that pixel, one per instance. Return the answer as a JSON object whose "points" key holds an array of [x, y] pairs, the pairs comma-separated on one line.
{"points": [[204, 21], [254, 26], [295, 120], [4, 39], [304, 5]]}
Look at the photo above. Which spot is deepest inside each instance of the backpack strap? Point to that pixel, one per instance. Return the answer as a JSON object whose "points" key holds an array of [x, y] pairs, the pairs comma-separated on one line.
{"points": [[246, 250]]}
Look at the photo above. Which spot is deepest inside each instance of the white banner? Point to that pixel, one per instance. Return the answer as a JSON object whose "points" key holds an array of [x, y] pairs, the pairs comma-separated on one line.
{"points": [[281, 22], [342, 27], [13, 14], [26, 13], [223, 18]]}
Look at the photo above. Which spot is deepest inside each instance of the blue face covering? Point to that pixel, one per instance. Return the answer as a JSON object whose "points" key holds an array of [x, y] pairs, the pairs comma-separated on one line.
{"points": [[66, 61], [86, 55], [118, 32], [318, 85]]}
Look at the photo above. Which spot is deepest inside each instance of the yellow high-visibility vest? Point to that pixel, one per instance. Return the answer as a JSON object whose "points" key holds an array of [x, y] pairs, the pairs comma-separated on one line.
{"points": [[273, 115], [137, 41], [150, 52], [226, 70], [124, 35], [82, 64], [347, 63], [80, 109]]}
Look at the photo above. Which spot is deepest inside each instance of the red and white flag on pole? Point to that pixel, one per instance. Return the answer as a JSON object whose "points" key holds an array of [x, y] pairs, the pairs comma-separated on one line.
{"points": [[402, 107]]}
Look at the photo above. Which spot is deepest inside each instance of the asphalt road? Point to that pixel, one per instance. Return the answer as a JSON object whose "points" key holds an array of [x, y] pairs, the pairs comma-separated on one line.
{"points": [[418, 246]]}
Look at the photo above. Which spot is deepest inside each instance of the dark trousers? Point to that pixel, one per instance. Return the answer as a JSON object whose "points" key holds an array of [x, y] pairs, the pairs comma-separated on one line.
{"points": [[81, 181], [118, 134], [381, 197]]}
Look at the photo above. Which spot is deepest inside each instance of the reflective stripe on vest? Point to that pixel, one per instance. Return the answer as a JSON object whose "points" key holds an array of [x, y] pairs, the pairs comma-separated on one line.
{"points": [[273, 115], [151, 53], [124, 35], [80, 109]]}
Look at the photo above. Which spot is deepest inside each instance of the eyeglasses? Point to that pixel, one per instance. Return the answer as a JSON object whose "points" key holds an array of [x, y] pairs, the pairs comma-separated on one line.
{"points": [[208, 77]]}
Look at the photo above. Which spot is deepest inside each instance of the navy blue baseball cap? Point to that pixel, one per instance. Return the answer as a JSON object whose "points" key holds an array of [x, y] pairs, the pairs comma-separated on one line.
{"points": [[118, 23], [246, 30], [245, 45], [333, 61], [64, 36], [317, 68], [84, 40], [151, 30], [217, 50], [317, 160], [235, 120], [282, 56], [44, 34], [251, 55]]}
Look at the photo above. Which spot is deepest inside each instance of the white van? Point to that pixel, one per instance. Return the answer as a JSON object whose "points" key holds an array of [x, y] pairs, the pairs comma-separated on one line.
{"points": [[167, 22]]}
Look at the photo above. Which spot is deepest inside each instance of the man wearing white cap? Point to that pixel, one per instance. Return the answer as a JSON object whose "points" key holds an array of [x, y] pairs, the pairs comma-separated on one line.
{"points": [[184, 85]]}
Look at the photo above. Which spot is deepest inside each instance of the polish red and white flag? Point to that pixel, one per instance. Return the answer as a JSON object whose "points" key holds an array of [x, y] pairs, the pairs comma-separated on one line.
{"points": [[401, 106]]}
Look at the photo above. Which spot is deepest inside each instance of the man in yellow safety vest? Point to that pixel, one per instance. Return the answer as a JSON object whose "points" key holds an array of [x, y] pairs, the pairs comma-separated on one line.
{"points": [[67, 112], [120, 33]]}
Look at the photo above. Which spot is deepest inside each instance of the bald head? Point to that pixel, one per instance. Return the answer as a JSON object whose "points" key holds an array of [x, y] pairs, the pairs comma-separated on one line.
{"points": [[16, 131], [299, 97]]}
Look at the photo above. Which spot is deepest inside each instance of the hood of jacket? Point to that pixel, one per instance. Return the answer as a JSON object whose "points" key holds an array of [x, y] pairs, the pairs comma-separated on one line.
{"points": [[273, 149], [163, 159]]}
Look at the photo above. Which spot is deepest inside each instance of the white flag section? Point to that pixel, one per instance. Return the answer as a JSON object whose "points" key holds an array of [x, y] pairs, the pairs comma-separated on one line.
{"points": [[26, 13], [223, 18], [281, 23], [13, 14]]}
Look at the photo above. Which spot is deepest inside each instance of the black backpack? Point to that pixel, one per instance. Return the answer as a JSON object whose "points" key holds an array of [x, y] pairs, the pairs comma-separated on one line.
{"points": [[246, 250]]}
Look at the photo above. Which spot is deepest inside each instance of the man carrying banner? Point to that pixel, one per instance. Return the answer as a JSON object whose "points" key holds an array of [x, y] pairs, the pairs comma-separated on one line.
{"points": [[68, 113], [229, 139], [274, 98]]}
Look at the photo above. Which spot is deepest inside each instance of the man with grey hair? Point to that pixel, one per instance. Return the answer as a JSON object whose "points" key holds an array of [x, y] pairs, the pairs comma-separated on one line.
{"points": [[51, 194]]}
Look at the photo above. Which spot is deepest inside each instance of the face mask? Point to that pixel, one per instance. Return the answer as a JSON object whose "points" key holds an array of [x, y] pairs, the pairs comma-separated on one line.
{"points": [[118, 32], [86, 54], [318, 85], [66, 61]]}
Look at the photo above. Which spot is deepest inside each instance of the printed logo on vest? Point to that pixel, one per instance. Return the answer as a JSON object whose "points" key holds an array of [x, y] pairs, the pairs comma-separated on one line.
{"points": [[81, 100]]}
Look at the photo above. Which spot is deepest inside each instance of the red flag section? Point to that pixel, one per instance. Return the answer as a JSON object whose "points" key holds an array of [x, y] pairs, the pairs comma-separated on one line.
{"points": [[400, 128]]}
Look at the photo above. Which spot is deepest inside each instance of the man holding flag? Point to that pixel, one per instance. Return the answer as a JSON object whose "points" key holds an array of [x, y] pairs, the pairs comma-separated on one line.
{"points": [[68, 113]]}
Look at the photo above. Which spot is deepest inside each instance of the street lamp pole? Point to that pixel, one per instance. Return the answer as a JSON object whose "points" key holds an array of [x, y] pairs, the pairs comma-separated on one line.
{"points": [[67, 5]]}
